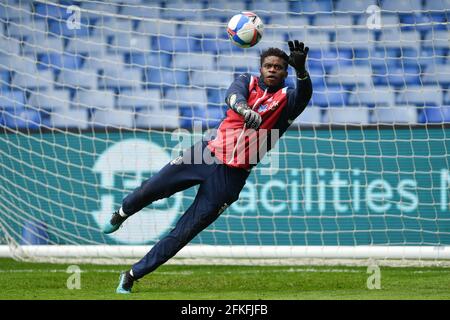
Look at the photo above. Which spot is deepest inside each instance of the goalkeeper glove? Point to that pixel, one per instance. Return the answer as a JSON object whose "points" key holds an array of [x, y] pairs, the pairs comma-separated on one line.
{"points": [[252, 118], [297, 58]]}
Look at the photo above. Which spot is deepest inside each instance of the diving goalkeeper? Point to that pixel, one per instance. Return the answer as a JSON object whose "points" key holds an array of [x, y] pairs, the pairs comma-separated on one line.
{"points": [[255, 103]]}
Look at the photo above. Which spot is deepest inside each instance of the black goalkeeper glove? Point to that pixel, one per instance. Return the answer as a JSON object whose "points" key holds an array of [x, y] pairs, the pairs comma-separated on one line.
{"points": [[297, 58], [252, 119]]}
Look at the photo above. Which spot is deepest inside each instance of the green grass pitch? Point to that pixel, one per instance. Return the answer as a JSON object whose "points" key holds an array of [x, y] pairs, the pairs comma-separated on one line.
{"points": [[20, 280]]}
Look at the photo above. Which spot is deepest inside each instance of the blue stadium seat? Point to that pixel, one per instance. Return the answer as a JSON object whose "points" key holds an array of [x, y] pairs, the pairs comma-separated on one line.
{"points": [[125, 43], [330, 96], [103, 62], [326, 59], [21, 118], [306, 6], [156, 78], [423, 21], [10, 46], [5, 77], [87, 46], [402, 6], [60, 28], [58, 61], [216, 97], [350, 75], [350, 115], [167, 119], [190, 117], [113, 118], [436, 39], [185, 97], [121, 79], [42, 80], [354, 6], [77, 79], [217, 46], [212, 78], [346, 38], [376, 96], [12, 99], [113, 28], [77, 118], [146, 60], [394, 114], [223, 9], [157, 28], [56, 100], [94, 99], [396, 76], [247, 61], [267, 9], [139, 100], [50, 11], [193, 61], [18, 12], [289, 26], [437, 74], [191, 11], [393, 37], [141, 11], [435, 115], [214, 115], [436, 5], [421, 96], [174, 45], [310, 116], [95, 11], [203, 30], [40, 44], [19, 29]]}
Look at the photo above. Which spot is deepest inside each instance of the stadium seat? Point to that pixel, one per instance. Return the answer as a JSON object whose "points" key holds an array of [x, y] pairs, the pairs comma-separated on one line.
{"points": [[223, 9], [436, 39], [306, 6], [330, 96], [60, 28], [216, 97], [120, 79], [289, 26], [39, 80], [393, 37], [267, 9], [5, 76], [333, 21], [113, 118], [49, 11], [77, 79], [421, 96], [402, 6], [376, 96], [139, 100], [59, 61], [277, 38], [423, 21], [310, 116], [96, 11], [354, 6], [435, 115], [327, 59], [141, 11], [126, 43], [77, 118], [104, 62], [350, 75], [203, 30], [173, 45], [9, 46], [145, 60], [350, 115], [20, 30], [238, 61], [191, 117], [396, 76], [216, 45], [377, 57], [185, 97], [12, 99], [437, 74], [41, 44], [190, 11], [214, 115], [155, 78], [94, 99], [21, 118], [55, 100], [210, 79], [193, 61], [87, 45], [436, 5], [394, 114], [167, 119], [113, 27], [346, 38], [17, 12], [157, 28]]}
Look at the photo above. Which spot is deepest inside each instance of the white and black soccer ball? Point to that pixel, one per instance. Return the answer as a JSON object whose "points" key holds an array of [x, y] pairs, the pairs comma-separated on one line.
{"points": [[245, 29]]}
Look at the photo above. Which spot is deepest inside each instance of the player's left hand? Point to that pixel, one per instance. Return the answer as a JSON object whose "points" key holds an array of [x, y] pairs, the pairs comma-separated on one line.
{"points": [[297, 58]]}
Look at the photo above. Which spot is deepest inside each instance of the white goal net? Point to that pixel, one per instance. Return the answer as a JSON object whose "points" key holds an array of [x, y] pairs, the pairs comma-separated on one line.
{"points": [[96, 96]]}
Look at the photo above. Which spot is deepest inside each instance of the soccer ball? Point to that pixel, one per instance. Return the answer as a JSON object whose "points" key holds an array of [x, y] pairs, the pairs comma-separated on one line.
{"points": [[245, 29]]}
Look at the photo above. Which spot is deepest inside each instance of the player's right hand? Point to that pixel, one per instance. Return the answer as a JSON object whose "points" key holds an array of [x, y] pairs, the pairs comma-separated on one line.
{"points": [[252, 119]]}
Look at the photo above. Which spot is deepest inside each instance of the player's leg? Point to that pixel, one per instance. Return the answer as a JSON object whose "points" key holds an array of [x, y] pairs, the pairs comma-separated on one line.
{"points": [[214, 196], [174, 177]]}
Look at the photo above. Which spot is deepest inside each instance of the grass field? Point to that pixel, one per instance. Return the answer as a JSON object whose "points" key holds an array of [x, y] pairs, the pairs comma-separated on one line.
{"points": [[48, 281]]}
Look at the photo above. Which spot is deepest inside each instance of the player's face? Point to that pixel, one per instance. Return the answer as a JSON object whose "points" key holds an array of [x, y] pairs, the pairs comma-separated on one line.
{"points": [[273, 70]]}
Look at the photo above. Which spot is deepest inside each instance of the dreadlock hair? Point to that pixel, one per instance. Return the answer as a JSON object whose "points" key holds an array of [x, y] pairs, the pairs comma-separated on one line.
{"points": [[274, 52]]}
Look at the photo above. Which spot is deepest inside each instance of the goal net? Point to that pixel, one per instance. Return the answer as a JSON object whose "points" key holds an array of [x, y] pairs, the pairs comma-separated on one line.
{"points": [[97, 96]]}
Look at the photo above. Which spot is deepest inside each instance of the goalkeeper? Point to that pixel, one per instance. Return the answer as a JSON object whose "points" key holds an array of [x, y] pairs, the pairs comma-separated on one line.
{"points": [[254, 103]]}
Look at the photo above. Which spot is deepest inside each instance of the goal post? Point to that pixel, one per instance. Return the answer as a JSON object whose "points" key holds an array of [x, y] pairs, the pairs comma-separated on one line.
{"points": [[96, 97]]}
